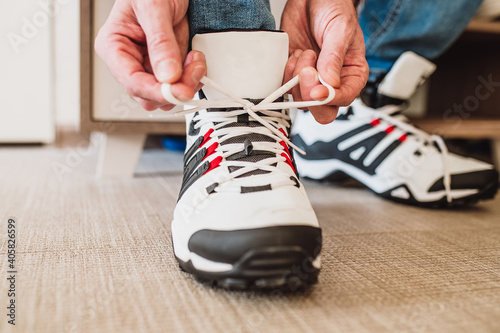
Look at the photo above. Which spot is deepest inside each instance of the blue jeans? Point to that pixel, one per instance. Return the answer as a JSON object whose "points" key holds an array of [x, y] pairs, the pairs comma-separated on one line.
{"points": [[216, 15], [390, 27], [426, 27]]}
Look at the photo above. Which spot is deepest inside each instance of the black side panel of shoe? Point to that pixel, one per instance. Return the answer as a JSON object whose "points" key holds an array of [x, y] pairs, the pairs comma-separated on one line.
{"points": [[321, 150], [277, 258], [486, 193], [230, 246], [470, 180]]}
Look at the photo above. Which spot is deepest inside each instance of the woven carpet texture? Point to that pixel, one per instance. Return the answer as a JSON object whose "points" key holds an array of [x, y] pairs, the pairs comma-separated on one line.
{"points": [[96, 256]]}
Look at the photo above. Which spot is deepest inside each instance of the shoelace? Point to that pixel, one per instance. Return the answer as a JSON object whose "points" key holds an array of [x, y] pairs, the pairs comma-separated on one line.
{"points": [[387, 114], [272, 120]]}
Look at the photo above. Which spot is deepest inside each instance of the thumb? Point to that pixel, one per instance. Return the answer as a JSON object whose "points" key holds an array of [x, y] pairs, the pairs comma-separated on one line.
{"points": [[331, 56], [163, 49]]}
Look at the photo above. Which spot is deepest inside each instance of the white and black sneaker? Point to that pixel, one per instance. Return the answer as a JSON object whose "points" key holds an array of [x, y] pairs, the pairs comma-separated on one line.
{"points": [[243, 219], [372, 143]]}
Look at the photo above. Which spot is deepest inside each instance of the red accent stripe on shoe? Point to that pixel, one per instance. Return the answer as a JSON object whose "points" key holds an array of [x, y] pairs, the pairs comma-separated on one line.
{"points": [[375, 122], [211, 149], [285, 147], [286, 155], [389, 129], [403, 138], [283, 131], [214, 164], [288, 161], [206, 137]]}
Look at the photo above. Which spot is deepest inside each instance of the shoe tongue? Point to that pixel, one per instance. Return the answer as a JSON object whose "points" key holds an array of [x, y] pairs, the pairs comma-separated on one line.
{"points": [[250, 64], [248, 153]]}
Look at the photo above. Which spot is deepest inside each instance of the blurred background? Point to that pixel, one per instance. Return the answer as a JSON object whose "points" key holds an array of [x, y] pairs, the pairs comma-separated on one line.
{"points": [[39, 71], [53, 86]]}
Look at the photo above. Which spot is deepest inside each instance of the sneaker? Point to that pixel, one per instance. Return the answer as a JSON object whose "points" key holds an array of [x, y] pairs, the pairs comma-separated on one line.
{"points": [[372, 143], [243, 219]]}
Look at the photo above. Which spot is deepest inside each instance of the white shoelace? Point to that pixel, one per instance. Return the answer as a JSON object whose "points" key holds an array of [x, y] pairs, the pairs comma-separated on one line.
{"points": [[387, 114], [269, 117]]}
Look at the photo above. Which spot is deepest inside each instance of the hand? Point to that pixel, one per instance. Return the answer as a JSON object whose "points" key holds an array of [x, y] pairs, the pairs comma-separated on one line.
{"points": [[330, 28], [144, 42]]}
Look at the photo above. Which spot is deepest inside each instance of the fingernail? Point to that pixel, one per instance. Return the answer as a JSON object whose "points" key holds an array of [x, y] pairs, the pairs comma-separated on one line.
{"points": [[308, 76], [198, 73], [297, 53], [167, 70], [198, 56]]}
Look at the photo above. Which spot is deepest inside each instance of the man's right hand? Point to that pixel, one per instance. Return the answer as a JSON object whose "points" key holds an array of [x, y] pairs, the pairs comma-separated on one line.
{"points": [[145, 43]]}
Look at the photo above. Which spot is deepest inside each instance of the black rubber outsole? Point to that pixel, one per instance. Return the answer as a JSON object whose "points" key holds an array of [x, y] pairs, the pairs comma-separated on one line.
{"points": [[284, 268], [487, 193]]}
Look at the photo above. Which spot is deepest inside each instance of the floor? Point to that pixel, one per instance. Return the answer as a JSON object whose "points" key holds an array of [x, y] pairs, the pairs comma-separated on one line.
{"points": [[95, 256]]}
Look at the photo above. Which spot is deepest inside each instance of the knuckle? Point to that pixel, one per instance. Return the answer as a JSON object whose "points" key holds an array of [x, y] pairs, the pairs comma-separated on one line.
{"points": [[289, 67], [158, 40], [336, 56], [132, 90], [309, 55]]}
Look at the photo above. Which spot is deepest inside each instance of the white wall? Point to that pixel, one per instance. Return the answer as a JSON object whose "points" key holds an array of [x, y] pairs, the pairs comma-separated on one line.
{"points": [[26, 73], [67, 63]]}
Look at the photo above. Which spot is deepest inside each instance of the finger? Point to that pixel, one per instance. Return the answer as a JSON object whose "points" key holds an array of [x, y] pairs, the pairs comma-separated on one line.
{"points": [[353, 80], [126, 62], [167, 108], [336, 41], [308, 80], [186, 88], [354, 74], [147, 104], [195, 68], [132, 76], [291, 64], [324, 114], [181, 31], [194, 56], [310, 86], [163, 48], [306, 59], [147, 65]]}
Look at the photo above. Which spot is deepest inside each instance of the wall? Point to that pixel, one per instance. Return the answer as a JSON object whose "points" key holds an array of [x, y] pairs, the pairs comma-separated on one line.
{"points": [[26, 72], [67, 63]]}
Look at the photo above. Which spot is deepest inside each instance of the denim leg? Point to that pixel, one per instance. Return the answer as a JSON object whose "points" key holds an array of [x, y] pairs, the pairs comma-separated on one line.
{"points": [[206, 16], [426, 27]]}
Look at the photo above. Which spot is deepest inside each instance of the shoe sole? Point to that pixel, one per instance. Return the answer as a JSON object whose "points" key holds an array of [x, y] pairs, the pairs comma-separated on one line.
{"points": [[338, 175], [285, 268], [487, 193]]}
